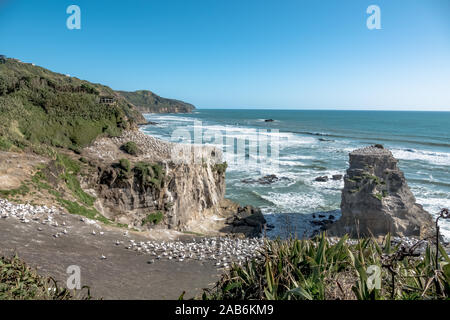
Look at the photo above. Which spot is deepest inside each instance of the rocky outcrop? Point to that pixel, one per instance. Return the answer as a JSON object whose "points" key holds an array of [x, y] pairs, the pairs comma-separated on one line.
{"points": [[376, 198], [269, 179], [246, 220]]}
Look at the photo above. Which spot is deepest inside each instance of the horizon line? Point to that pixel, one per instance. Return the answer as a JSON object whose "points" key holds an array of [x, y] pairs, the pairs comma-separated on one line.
{"points": [[315, 109]]}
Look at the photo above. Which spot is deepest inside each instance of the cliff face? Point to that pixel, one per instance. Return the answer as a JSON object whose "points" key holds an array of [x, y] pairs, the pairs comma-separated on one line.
{"points": [[152, 190], [376, 198], [148, 102]]}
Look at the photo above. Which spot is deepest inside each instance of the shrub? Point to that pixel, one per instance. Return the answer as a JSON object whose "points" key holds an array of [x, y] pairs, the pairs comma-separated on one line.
{"points": [[149, 174], [131, 148], [5, 145], [153, 218], [220, 168], [125, 165]]}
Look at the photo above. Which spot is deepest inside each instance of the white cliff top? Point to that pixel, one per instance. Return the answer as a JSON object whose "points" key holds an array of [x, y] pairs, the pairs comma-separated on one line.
{"points": [[371, 151]]}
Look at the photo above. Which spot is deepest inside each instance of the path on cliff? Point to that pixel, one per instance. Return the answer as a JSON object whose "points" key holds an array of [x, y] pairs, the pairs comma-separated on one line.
{"points": [[124, 274]]}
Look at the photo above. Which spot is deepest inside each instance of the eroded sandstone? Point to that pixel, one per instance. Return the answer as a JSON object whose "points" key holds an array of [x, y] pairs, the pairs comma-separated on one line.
{"points": [[376, 198]]}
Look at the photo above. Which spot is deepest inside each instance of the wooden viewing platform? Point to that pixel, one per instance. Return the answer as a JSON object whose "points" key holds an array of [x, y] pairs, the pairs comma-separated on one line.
{"points": [[107, 100]]}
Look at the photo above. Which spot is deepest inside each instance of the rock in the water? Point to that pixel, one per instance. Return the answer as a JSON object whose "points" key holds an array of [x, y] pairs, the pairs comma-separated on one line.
{"points": [[269, 179], [322, 179], [269, 120], [337, 177], [248, 221], [376, 198]]}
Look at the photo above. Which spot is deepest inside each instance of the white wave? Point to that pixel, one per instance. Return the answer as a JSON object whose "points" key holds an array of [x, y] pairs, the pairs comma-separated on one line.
{"points": [[294, 202], [294, 157], [437, 158], [169, 118]]}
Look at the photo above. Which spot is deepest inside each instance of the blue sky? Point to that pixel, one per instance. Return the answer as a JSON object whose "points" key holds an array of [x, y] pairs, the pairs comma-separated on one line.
{"points": [[245, 54]]}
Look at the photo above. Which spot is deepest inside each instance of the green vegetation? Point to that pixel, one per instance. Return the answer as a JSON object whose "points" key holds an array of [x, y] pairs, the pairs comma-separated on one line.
{"points": [[67, 170], [131, 148], [70, 170], [149, 174], [354, 190], [316, 269], [5, 145], [379, 196], [147, 101], [125, 165], [75, 208], [19, 282], [220, 168], [373, 178], [38, 106], [153, 218], [21, 191]]}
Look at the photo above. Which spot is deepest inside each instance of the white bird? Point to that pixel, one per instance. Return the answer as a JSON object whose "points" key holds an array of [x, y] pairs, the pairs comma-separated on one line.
{"points": [[93, 232], [103, 257]]}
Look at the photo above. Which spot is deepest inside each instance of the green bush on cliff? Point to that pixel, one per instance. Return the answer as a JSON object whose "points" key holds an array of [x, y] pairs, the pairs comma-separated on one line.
{"points": [[131, 148], [153, 218], [5, 145], [125, 165], [149, 174], [38, 106]]}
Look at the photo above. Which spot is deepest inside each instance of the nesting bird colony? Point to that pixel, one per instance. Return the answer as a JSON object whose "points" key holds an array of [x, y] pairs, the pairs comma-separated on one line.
{"points": [[222, 251], [27, 213], [40, 215]]}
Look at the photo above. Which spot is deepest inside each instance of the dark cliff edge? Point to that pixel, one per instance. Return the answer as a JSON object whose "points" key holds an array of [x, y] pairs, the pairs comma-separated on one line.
{"points": [[148, 102]]}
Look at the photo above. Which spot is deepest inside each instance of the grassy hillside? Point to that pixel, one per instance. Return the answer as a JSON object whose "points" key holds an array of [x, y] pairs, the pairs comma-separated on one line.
{"points": [[38, 106], [147, 101]]}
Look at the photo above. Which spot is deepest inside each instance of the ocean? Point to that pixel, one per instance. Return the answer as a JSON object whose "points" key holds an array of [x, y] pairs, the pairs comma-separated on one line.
{"points": [[305, 144]]}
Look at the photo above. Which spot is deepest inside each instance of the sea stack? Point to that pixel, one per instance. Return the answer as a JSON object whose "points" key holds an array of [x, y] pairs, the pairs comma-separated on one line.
{"points": [[376, 199]]}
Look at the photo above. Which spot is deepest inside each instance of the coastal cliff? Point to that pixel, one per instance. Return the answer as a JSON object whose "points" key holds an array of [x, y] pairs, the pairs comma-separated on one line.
{"points": [[148, 102], [91, 160], [148, 189], [132, 187], [376, 198]]}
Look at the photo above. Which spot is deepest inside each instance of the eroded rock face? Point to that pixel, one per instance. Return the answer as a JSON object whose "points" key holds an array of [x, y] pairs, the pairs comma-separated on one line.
{"points": [[376, 198], [182, 193]]}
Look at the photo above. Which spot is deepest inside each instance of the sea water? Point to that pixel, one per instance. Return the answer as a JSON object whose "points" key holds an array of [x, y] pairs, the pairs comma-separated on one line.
{"points": [[317, 143]]}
